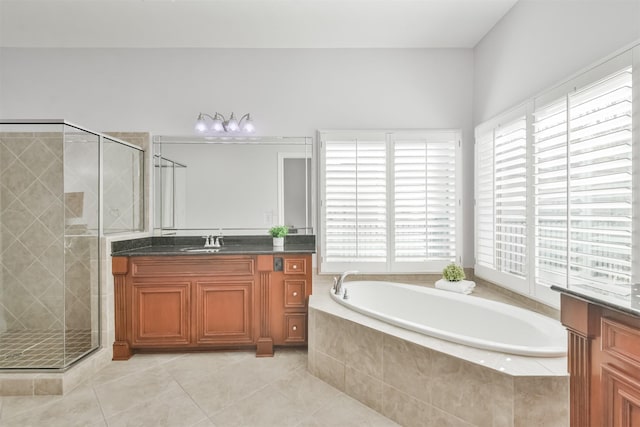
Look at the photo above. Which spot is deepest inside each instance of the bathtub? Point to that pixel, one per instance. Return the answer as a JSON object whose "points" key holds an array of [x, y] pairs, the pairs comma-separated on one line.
{"points": [[462, 319]]}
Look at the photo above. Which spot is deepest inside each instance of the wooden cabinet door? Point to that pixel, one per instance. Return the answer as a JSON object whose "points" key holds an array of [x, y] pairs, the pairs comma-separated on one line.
{"points": [[224, 312], [621, 398], [160, 314]]}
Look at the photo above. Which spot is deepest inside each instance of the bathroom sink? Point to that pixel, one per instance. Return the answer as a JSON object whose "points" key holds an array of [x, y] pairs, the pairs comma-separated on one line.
{"points": [[201, 250]]}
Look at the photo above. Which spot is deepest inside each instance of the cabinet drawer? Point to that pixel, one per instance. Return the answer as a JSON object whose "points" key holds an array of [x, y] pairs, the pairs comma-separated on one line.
{"points": [[295, 266], [199, 265], [295, 328], [621, 341], [294, 293]]}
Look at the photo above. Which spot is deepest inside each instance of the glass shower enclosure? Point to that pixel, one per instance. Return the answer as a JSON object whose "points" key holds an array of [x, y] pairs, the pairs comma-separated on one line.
{"points": [[51, 205]]}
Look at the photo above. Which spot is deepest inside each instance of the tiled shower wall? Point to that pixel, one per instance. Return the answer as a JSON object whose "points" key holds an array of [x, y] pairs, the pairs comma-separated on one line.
{"points": [[31, 231], [35, 256]]}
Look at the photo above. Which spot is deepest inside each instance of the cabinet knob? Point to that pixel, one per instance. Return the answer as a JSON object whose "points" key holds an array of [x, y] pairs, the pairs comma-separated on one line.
{"points": [[295, 267], [294, 327], [295, 294]]}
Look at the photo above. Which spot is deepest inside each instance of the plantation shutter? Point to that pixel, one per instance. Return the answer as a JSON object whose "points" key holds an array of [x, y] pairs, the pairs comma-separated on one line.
{"points": [[600, 184], [510, 197], [425, 198], [484, 199], [355, 199], [550, 193]]}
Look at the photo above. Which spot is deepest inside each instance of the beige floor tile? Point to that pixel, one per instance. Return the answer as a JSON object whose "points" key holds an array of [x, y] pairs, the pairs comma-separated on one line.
{"points": [[267, 407], [343, 411], [118, 396], [15, 405], [305, 390], [78, 408], [271, 369], [118, 370], [215, 391], [192, 366], [232, 388], [173, 408]]}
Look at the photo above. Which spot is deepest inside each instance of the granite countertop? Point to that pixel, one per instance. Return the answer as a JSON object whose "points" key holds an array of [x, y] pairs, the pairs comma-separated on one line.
{"points": [[232, 245], [629, 305]]}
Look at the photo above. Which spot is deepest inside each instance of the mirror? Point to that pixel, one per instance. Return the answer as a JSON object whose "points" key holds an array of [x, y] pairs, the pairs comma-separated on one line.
{"points": [[206, 185]]}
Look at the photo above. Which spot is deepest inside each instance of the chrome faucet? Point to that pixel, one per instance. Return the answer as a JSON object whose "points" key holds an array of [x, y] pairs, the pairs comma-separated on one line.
{"points": [[212, 241], [338, 281]]}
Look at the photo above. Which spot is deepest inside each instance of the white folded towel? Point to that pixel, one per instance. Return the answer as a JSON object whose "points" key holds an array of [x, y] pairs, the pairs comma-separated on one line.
{"points": [[462, 286]]}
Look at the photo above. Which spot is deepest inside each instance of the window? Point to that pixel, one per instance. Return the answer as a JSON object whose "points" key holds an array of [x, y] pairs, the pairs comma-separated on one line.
{"points": [[501, 202], [389, 200], [577, 215]]}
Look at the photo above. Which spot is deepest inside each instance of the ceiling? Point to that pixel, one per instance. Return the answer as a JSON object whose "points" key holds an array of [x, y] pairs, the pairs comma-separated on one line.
{"points": [[248, 23]]}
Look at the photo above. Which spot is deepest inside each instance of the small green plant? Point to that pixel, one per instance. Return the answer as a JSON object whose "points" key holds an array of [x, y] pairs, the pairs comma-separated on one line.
{"points": [[453, 273], [279, 231]]}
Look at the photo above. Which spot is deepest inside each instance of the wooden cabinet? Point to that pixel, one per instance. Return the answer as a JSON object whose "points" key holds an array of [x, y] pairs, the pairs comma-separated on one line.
{"points": [[209, 302], [160, 314], [224, 312], [604, 364], [289, 299]]}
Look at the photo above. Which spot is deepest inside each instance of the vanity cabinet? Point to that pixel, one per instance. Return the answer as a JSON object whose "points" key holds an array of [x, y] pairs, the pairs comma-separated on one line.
{"points": [[195, 302], [289, 299], [604, 364]]}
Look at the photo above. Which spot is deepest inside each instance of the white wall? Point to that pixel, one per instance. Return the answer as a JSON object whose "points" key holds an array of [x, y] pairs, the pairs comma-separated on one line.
{"points": [[540, 43], [289, 92]]}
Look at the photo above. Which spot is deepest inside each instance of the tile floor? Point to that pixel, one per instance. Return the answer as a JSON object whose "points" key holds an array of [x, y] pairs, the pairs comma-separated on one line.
{"points": [[42, 349], [196, 389]]}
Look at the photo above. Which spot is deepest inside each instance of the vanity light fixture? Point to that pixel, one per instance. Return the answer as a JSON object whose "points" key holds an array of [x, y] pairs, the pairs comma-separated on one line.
{"points": [[219, 124]]}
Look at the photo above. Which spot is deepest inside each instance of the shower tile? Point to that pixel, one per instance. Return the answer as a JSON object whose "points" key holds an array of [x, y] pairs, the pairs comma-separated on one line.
{"points": [[53, 259], [37, 238], [37, 198], [36, 158], [6, 156], [53, 218], [16, 143], [17, 217], [17, 178], [6, 198], [53, 178], [17, 257], [37, 316], [6, 238], [38, 279]]}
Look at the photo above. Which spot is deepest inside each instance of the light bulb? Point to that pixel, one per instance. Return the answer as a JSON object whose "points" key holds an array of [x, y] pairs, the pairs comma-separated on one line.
{"points": [[217, 126], [232, 124], [201, 126], [248, 125]]}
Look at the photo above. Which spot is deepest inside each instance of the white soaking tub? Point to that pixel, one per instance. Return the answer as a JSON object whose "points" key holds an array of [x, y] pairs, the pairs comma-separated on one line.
{"points": [[459, 318]]}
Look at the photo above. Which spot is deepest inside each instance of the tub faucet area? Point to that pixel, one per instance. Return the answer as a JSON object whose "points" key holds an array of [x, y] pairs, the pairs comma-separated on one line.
{"points": [[338, 281]]}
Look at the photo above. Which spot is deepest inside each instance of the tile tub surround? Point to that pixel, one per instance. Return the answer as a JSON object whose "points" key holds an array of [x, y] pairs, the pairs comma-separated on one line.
{"points": [[418, 380]]}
